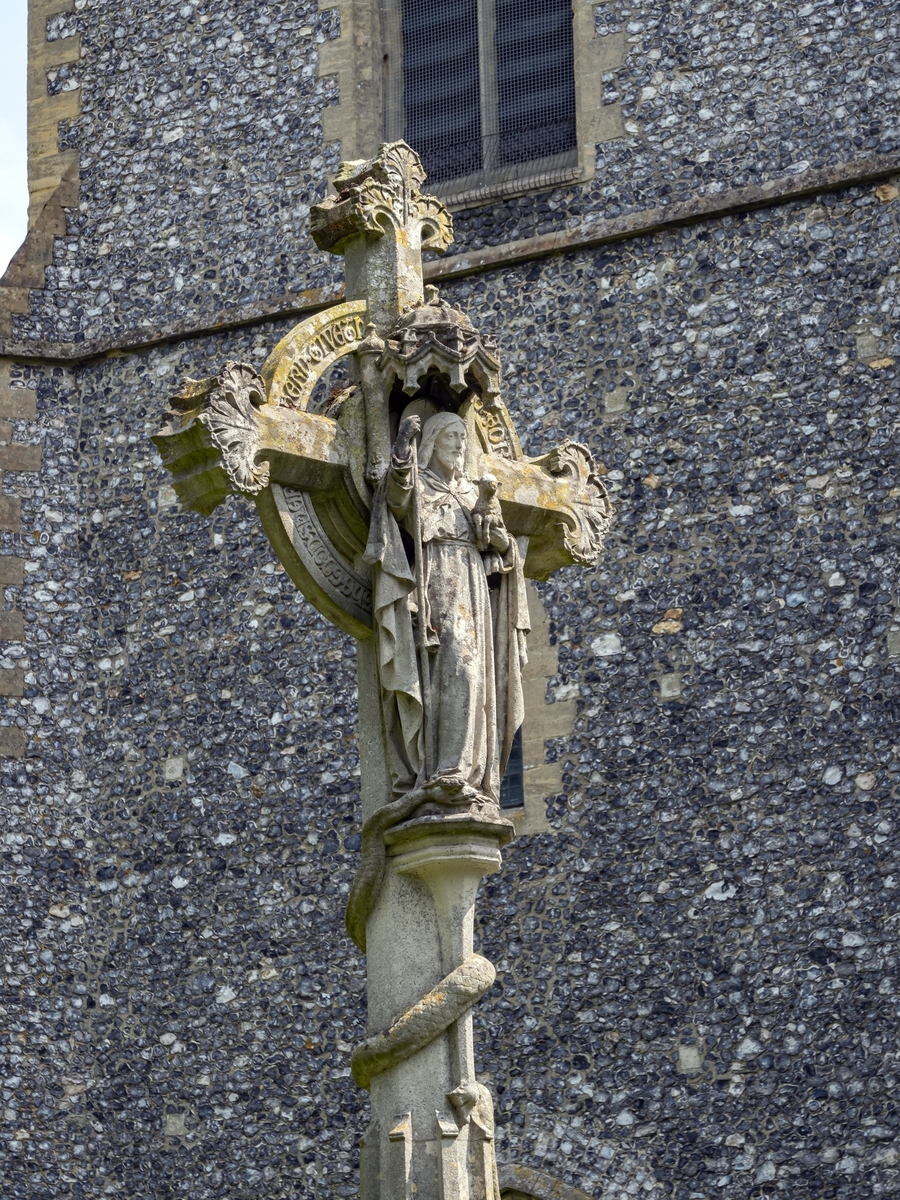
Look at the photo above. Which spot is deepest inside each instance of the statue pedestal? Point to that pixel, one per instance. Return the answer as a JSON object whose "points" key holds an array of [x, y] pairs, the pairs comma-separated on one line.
{"points": [[432, 1127]]}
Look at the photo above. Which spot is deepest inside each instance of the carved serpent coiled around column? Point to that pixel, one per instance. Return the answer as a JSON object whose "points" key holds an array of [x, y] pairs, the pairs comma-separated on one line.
{"points": [[446, 1002], [367, 881], [425, 1021]]}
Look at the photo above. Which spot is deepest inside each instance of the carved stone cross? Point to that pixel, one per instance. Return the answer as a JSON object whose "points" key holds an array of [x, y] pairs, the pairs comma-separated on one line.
{"points": [[419, 554]]}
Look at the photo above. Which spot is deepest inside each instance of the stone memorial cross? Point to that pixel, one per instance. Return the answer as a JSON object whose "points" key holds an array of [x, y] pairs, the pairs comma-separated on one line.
{"points": [[404, 509]]}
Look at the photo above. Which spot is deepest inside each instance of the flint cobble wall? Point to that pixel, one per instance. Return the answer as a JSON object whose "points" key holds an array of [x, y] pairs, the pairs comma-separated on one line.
{"points": [[201, 152], [697, 987], [698, 967], [201, 146]]}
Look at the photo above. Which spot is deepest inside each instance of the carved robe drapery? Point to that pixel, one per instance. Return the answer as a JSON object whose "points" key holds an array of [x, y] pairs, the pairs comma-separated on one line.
{"points": [[458, 605], [476, 620]]}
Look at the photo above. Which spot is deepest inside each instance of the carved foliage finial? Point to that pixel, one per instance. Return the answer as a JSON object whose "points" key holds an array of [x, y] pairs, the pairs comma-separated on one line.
{"points": [[230, 416], [372, 194], [590, 512]]}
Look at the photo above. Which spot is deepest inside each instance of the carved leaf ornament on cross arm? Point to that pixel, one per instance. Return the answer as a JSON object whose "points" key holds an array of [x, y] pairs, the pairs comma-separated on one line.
{"points": [[249, 432], [361, 520]]}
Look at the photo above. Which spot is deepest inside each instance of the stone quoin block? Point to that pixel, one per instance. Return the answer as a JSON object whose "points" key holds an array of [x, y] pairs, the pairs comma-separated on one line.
{"points": [[12, 681], [12, 742]]}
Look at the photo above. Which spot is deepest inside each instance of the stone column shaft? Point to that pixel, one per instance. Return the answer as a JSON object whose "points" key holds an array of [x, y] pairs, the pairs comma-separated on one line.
{"points": [[428, 1113], [386, 272]]}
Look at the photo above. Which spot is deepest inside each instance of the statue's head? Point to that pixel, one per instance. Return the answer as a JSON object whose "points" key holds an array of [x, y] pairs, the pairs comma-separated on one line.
{"points": [[444, 443]]}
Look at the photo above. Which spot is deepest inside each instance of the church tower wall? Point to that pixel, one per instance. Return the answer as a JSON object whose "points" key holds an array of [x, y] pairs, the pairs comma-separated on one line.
{"points": [[697, 974]]}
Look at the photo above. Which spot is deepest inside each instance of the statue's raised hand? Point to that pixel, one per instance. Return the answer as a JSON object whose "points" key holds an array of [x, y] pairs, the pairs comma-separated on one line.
{"points": [[410, 427]]}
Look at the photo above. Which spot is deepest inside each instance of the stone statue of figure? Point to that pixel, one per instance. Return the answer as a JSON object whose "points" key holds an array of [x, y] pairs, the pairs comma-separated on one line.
{"points": [[451, 626]]}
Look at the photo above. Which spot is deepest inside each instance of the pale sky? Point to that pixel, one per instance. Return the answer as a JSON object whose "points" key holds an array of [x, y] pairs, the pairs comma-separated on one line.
{"points": [[13, 169]]}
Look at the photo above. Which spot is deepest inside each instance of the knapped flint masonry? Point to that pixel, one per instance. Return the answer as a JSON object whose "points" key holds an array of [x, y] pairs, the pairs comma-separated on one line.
{"points": [[421, 555]]}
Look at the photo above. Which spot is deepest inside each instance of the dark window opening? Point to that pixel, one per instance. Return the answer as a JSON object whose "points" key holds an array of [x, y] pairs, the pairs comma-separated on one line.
{"points": [[488, 86], [535, 79], [441, 89], [512, 789]]}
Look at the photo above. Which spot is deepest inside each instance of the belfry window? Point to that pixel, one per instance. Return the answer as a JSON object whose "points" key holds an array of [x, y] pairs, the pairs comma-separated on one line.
{"points": [[483, 90]]}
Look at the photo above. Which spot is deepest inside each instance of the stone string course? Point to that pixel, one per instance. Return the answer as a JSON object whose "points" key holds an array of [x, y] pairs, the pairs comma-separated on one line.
{"points": [[698, 964], [586, 233]]}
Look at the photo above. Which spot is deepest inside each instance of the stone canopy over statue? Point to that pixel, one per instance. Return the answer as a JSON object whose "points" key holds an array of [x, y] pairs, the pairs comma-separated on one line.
{"points": [[406, 512]]}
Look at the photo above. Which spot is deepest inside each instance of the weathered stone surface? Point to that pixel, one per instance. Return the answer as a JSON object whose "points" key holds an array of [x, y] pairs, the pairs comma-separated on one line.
{"points": [[132, 914], [450, 647], [607, 952]]}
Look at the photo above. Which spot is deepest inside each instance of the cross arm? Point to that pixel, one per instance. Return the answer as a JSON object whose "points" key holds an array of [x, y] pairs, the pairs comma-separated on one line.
{"points": [[558, 502], [221, 437]]}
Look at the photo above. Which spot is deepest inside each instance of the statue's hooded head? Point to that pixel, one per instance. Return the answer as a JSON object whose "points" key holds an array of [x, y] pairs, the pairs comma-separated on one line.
{"points": [[434, 427]]}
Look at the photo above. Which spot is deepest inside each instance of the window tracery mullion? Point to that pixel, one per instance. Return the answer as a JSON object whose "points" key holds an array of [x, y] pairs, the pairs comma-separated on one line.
{"points": [[487, 54]]}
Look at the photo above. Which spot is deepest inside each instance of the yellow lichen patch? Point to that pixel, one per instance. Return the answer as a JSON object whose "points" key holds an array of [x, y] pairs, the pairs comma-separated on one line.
{"points": [[887, 192], [671, 622], [879, 364]]}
